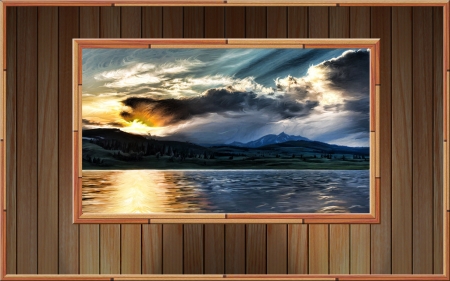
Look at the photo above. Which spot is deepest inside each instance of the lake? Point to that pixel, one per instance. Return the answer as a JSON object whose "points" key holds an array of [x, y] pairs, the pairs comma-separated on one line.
{"points": [[226, 191]]}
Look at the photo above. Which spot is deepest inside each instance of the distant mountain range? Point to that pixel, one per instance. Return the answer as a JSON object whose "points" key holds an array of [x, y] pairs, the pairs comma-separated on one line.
{"points": [[281, 142], [268, 140]]}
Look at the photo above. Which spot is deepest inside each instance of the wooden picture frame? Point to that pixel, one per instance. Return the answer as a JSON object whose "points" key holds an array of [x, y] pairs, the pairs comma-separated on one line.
{"points": [[374, 175], [444, 4]]}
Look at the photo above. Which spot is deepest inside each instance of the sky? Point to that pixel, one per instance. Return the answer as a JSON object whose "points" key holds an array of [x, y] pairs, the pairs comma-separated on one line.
{"points": [[218, 96]]}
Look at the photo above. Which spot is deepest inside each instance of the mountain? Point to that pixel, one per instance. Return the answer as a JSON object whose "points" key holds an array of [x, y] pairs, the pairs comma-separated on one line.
{"points": [[317, 147], [268, 140]]}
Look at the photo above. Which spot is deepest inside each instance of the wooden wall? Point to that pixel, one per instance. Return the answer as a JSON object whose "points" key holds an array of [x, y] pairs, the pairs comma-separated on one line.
{"points": [[41, 238]]}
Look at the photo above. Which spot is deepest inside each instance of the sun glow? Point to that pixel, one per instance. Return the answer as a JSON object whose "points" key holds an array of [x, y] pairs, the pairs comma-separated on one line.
{"points": [[137, 127]]}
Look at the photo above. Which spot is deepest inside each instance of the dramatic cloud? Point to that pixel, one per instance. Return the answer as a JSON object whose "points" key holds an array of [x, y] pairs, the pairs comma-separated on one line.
{"points": [[225, 95], [172, 111]]}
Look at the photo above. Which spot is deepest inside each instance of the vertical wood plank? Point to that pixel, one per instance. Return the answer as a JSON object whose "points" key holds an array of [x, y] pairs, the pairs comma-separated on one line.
{"points": [[298, 251], [437, 141], [277, 18], [360, 22], [172, 249], [214, 249], [339, 22], [152, 22], [130, 239], [318, 249], [89, 233], [339, 259], [339, 249], [110, 249], [256, 22], [130, 27], [422, 143], [214, 22], [47, 140], [277, 249], [193, 249], [297, 21], [276, 233], [359, 249], [193, 24], [235, 248], [68, 232], [110, 233], [401, 140], [235, 22], [380, 250], [27, 141], [11, 139], [256, 253], [173, 22], [360, 233], [130, 22], [89, 249], [110, 22], [152, 249], [318, 22], [90, 22]]}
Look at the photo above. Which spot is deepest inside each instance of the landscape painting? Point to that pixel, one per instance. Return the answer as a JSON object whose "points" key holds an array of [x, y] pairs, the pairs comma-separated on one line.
{"points": [[225, 130]]}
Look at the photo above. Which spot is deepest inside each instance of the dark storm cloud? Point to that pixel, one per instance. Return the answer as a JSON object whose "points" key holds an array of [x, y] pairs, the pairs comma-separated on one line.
{"points": [[349, 72], [172, 111], [94, 123]]}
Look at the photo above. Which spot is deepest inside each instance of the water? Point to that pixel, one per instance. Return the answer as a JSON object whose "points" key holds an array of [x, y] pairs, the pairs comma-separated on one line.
{"points": [[225, 191]]}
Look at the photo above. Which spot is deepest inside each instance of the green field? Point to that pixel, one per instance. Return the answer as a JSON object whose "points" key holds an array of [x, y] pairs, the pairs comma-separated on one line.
{"points": [[275, 157]]}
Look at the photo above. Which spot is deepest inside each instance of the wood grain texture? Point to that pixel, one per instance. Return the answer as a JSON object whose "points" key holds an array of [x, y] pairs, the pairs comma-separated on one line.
{"points": [[151, 249], [255, 22], [130, 22], [297, 21], [214, 248], [380, 249], [277, 249], [235, 22], [173, 22], [89, 242], [235, 248], [298, 249], [422, 143], [152, 22], [27, 254], [110, 22], [339, 243], [277, 22], [110, 249], [256, 249], [318, 249], [89, 249], [214, 22], [130, 239], [172, 249], [339, 249], [193, 22], [47, 86], [68, 232], [90, 23], [401, 141], [360, 22], [193, 249], [437, 141], [339, 22], [318, 22], [359, 249], [11, 139]]}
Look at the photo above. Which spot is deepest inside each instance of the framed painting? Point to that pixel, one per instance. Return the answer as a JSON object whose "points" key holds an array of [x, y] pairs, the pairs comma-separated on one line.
{"points": [[226, 130]]}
